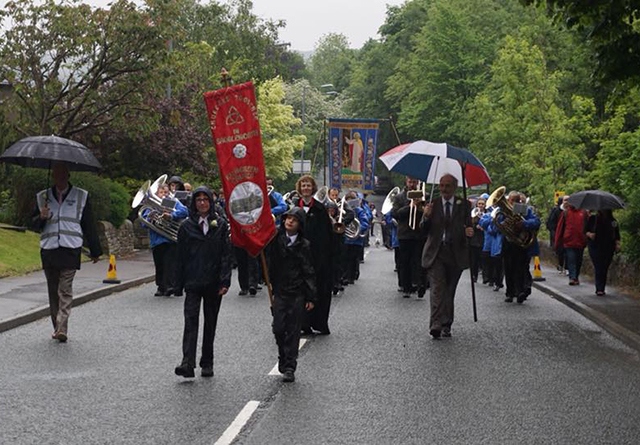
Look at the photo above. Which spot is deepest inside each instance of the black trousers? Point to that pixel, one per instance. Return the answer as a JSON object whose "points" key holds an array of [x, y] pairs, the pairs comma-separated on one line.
{"points": [[287, 321], [410, 264], [516, 269], [352, 269], [211, 306], [164, 262], [248, 269]]}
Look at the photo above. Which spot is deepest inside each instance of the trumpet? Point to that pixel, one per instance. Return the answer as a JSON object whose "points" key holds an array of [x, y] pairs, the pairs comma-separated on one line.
{"points": [[417, 198]]}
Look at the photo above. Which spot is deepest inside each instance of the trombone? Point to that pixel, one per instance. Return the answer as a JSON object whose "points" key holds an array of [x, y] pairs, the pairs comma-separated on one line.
{"points": [[417, 198]]}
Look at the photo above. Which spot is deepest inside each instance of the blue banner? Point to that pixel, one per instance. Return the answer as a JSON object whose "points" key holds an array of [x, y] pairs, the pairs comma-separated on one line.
{"points": [[352, 153]]}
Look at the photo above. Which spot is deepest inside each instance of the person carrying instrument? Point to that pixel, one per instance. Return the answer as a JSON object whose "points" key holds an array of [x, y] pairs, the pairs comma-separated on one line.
{"points": [[408, 213], [447, 224], [477, 241], [355, 244], [64, 217], [516, 257], [163, 249]]}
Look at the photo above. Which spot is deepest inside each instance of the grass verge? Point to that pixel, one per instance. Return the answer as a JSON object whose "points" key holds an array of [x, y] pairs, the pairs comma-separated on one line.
{"points": [[19, 252]]}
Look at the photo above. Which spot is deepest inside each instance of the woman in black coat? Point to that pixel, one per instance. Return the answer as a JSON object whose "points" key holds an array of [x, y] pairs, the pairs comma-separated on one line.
{"points": [[603, 239]]}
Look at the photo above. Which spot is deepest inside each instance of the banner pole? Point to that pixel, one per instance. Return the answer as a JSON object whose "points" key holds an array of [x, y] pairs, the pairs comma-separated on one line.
{"points": [[265, 274], [326, 151], [395, 131]]}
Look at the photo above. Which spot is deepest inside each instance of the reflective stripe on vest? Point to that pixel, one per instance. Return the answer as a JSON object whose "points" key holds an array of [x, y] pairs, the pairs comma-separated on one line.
{"points": [[63, 229]]}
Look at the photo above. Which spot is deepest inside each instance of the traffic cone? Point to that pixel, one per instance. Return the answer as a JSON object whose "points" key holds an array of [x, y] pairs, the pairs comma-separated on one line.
{"points": [[112, 276], [537, 273]]}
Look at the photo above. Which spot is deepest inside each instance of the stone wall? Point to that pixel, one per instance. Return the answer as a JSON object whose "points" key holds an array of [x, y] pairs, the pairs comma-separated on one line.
{"points": [[116, 241], [620, 272]]}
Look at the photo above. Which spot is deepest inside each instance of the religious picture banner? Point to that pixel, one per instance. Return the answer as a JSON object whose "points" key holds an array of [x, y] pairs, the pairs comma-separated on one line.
{"points": [[233, 117], [352, 153]]}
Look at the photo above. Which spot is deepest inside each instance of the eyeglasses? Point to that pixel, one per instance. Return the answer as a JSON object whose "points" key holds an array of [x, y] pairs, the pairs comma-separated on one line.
{"points": [[202, 199]]}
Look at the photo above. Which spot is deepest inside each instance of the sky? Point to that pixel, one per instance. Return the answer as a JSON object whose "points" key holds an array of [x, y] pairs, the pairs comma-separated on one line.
{"points": [[308, 20]]}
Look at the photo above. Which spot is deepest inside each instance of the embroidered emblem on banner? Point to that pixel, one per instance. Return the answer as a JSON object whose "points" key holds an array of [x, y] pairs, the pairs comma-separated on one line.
{"points": [[234, 117], [239, 151]]}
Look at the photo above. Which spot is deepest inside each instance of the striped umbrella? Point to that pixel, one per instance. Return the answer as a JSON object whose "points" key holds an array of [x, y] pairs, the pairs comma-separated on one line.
{"points": [[428, 161]]}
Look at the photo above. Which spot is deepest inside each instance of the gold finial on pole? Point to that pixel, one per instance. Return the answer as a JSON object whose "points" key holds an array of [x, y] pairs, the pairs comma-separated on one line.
{"points": [[226, 79]]}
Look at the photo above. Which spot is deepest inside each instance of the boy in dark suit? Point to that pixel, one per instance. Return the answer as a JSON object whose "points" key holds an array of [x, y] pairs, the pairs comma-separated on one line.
{"points": [[293, 280]]}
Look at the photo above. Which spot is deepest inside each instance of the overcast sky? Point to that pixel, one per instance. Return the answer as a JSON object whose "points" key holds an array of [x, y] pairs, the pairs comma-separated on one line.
{"points": [[308, 20]]}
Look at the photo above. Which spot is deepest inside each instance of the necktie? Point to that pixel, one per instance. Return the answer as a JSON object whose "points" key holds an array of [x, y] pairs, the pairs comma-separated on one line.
{"points": [[290, 241], [203, 224], [447, 216]]}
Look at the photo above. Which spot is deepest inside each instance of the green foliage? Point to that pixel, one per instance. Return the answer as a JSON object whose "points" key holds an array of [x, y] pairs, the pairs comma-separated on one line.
{"points": [[331, 62], [277, 125], [19, 252]]}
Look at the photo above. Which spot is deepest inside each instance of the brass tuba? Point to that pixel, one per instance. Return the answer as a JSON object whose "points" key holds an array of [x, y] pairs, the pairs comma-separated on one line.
{"points": [[147, 199], [507, 221], [387, 205]]}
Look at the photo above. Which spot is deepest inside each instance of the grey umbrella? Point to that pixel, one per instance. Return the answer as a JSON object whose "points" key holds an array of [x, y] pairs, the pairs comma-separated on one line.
{"points": [[595, 200], [42, 151]]}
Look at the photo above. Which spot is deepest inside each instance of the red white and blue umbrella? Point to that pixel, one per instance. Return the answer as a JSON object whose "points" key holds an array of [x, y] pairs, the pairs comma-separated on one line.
{"points": [[428, 161]]}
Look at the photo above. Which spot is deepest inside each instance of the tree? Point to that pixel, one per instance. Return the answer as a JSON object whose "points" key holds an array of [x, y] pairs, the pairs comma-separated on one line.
{"points": [[331, 62], [277, 125], [524, 137], [610, 28], [76, 69]]}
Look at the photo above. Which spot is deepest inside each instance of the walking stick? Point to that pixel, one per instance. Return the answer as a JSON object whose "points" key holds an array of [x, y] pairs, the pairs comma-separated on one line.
{"points": [[473, 285]]}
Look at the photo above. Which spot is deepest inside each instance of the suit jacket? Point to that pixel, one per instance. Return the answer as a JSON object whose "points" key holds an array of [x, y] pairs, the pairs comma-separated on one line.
{"points": [[434, 227]]}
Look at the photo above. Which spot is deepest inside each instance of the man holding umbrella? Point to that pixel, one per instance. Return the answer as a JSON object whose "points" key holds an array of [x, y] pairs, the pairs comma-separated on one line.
{"points": [[64, 217]]}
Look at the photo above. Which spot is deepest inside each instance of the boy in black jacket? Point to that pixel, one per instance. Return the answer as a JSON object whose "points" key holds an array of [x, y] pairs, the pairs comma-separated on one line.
{"points": [[293, 281], [204, 272]]}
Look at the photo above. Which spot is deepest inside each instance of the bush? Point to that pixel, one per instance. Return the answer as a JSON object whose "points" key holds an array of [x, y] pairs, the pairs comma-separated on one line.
{"points": [[109, 200]]}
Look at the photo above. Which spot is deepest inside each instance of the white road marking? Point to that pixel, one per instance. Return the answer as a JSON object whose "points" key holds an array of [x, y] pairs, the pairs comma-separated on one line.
{"points": [[238, 423], [275, 371]]}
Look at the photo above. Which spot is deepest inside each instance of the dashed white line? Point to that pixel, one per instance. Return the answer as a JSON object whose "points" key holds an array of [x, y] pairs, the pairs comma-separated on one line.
{"points": [[238, 423]]}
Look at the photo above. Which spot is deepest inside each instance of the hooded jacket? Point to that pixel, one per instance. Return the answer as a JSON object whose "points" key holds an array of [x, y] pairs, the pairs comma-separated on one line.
{"points": [[178, 180], [290, 269], [203, 260]]}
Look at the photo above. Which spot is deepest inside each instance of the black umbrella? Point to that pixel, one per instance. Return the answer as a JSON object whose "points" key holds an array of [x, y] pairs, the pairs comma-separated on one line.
{"points": [[42, 151], [595, 200]]}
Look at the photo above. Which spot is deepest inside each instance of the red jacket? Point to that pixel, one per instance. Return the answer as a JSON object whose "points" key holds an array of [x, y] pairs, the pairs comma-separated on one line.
{"points": [[570, 232]]}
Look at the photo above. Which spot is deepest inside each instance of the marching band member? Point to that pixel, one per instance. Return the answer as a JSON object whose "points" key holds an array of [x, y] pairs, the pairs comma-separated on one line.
{"points": [[278, 205], [493, 240], [354, 246], [411, 240], [516, 257], [477, 241], [318, 230]]}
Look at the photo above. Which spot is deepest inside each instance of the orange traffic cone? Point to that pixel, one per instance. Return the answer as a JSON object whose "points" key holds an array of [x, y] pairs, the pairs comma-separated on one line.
{"points": [[112, 276], [537, 272]]}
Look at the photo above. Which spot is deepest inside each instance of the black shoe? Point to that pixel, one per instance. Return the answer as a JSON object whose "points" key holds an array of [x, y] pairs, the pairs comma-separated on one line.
{"points": [[207, 371], [508, 300], [178, 294], [421, 292], [406, 295], [243, 292], [446, 332], [323, 332], [521, 297], [288, 377], [496, 288], [435, 333], [306, 331], [159, 293], [185, 371], [252, 291]]}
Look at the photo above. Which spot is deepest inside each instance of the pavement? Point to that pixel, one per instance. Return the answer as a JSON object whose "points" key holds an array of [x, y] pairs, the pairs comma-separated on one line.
{"points": [[24, 299]]}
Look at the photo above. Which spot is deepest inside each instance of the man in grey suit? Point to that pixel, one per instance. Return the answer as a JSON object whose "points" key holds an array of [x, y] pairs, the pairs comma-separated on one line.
{"points": [[447, 223]]}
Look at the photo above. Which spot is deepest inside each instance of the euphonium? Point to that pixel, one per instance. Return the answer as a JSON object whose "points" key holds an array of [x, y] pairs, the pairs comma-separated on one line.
{"points": [[387, 205], [507, 221], [147, 200]]}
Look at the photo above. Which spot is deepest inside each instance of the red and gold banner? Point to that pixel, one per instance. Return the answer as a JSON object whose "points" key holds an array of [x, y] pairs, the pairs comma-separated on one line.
{"points": [[233, 116]]}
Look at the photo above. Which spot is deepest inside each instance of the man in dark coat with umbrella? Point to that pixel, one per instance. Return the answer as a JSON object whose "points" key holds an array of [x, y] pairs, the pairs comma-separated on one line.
{"points": [[65, 218]]}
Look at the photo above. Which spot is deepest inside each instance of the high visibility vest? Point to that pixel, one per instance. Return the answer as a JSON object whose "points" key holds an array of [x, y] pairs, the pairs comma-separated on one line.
{"points": [[63, 229]]}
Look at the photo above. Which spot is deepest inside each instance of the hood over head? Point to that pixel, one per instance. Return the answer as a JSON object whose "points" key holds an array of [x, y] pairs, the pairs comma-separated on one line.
{"points": [[207, 191], [298, 213], [177, 180]]}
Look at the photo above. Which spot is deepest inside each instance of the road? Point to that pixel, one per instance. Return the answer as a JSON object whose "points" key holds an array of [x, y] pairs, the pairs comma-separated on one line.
{"points": [[536, 373]]}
